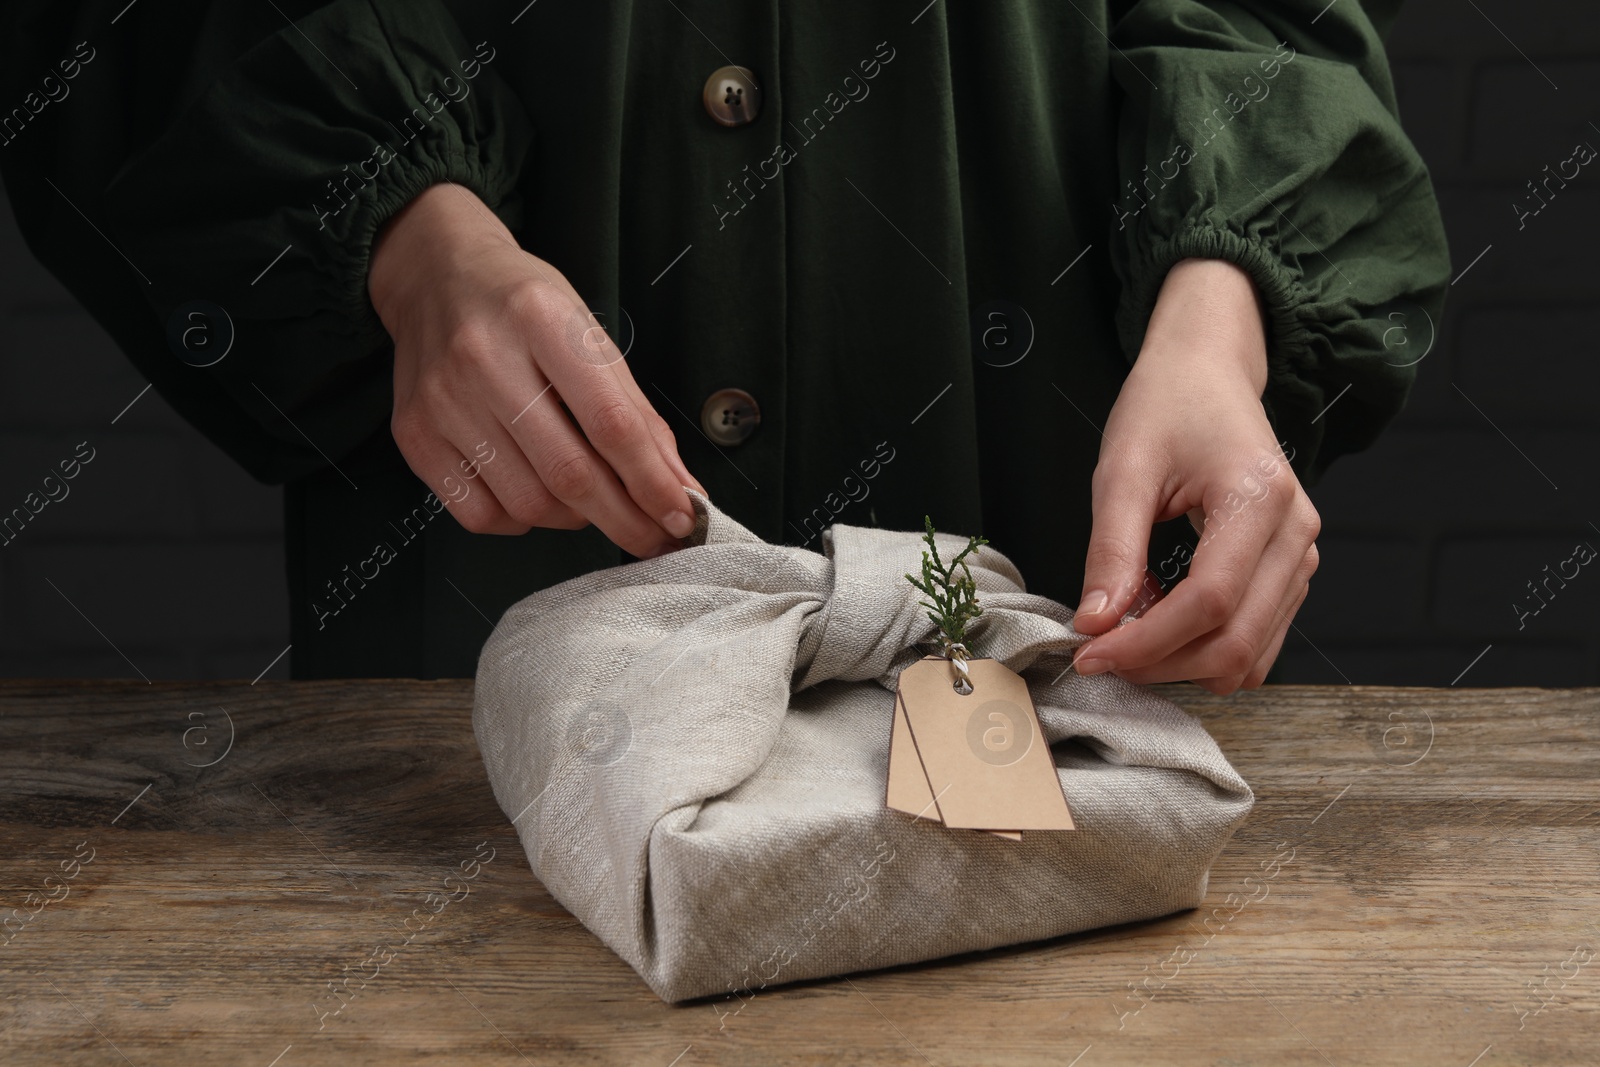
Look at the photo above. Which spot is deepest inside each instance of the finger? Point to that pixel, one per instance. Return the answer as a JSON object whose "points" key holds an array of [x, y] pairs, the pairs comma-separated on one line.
{"points": [[1258, 673], [1150, 592], [612, 423], [661, 431], [1231, 651], [578, 477], [438, 463], [1124, 508], [1228, 556], [500, 467], [599, 349]]}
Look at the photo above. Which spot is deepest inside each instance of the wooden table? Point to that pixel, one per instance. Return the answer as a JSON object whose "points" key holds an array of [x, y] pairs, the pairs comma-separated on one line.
{"points": [[206, 859]]}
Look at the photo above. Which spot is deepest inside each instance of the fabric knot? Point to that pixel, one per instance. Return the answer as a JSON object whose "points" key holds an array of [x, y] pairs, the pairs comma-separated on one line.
{"points": [[873, 623]]}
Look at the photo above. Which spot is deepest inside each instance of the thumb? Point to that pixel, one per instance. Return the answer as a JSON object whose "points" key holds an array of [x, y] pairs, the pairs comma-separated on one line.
{"points": [[1125, 509]]}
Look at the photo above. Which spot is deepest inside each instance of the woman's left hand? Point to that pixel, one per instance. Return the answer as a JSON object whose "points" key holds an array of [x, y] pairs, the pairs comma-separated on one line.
{"points": [[1188, 435]]}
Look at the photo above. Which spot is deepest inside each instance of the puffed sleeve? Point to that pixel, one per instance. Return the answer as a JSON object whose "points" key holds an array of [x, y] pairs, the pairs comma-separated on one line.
{"points": [[257, 151], [1266, 133]]}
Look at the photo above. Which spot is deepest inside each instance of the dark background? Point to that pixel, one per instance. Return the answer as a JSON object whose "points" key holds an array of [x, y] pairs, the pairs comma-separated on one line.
{"points": [[166, 559]]}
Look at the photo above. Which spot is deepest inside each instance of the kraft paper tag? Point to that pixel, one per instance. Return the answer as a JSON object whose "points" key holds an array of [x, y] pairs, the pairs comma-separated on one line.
{"points": [[908, 785], [908, 789], [985, 764]]}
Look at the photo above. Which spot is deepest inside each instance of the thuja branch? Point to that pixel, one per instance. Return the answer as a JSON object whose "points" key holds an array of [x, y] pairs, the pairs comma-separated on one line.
{"points": [[952, 598]]}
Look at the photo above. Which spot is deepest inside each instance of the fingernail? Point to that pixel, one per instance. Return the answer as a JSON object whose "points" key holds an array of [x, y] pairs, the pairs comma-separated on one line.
{"points": [[1086, 665], [1094, 602], [678, 523]]}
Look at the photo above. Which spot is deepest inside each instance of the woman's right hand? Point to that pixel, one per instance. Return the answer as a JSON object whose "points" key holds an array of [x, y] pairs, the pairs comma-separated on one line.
{"points": [[501, 371]]}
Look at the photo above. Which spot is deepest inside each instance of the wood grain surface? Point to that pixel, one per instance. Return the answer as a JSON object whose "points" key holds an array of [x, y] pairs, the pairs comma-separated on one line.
{"points": [[316, 873]]}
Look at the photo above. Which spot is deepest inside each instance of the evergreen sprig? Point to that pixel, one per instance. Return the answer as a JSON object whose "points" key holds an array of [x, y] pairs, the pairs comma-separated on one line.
{"points": [[954, 598]]}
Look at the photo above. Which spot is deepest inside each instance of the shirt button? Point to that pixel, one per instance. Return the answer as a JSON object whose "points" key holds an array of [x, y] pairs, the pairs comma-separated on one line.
{"points": [[730, 416], [732, 96]]}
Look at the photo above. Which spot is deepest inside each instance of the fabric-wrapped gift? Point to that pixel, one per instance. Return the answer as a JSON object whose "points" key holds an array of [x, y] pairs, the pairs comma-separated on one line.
{"points": [[693, 751]]}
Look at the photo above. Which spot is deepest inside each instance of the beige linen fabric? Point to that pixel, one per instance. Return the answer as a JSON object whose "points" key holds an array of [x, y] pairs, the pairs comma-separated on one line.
{"points": [[693, 751]]}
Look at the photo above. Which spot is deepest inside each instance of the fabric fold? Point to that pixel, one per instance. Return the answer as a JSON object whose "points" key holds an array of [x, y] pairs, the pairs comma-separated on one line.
{"points": [[693, 751]]}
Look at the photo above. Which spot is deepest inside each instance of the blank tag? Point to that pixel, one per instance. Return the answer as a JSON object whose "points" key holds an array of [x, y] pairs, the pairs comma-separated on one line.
{"points": [[908, 785], [908, 789], [985, 762]]}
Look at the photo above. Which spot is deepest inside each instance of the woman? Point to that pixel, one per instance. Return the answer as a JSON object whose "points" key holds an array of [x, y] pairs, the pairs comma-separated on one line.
{"points": [[1053, 273]]}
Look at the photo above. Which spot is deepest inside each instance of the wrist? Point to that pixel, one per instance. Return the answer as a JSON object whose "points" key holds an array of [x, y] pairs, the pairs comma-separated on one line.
{"points": [[1208, 313], [430, 234]]}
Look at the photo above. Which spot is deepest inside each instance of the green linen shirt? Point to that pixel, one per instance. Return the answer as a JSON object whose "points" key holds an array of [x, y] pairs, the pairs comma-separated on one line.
{"points": [[930, 258]]}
